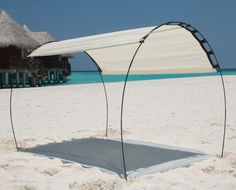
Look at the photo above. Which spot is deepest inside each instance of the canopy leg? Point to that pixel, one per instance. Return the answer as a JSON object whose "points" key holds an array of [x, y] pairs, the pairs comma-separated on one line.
{"points": [[121, 111], [104, 87], [11, 116], [209, 51], [105, 91], [225, 112]]}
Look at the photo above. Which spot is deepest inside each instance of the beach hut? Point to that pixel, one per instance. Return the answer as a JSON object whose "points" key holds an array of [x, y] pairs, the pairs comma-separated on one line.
{"points": [[56, 67], [40, 37], [15, 45], [16, 42]]}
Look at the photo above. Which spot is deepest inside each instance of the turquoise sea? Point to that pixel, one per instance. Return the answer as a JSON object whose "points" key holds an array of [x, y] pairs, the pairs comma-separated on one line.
{"points": [[93, 77]]}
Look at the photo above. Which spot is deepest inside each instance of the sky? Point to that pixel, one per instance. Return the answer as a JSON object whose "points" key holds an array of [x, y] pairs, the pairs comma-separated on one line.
{"points": [[65, 19]]}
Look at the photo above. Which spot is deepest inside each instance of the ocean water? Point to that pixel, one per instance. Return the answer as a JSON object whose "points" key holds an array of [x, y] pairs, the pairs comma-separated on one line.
{"points": [[93, 77]]}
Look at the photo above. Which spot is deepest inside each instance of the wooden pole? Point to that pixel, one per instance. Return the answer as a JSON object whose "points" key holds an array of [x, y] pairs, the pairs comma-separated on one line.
{"points": [[6, 79], [1, 80], [49, 77], [17, 79], [34, 81], [31, 80], [23, 79], [39, 82], [11, 79], [58, 72], [54, 75]]}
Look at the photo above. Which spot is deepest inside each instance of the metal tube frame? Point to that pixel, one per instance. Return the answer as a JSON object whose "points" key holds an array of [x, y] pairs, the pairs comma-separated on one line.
{"points": [[11, 117], [104, 87], [11, 114], [106, 98], [209, 53]]}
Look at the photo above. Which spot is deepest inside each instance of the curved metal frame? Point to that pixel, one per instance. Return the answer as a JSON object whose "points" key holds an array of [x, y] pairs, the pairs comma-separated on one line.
{"points": [[209, 53], [105, 91], [104, 87], [123, 97], [122, 108], [202, 41], [11, 117]]}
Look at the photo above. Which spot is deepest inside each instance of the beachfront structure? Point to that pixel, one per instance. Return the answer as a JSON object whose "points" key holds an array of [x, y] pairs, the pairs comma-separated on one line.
{"points": [[173, 47], [15, 45], [16, 69], [57, 67], [40, 37]]}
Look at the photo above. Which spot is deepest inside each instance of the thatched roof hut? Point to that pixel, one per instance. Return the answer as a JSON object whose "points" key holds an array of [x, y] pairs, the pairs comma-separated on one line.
{"points": [[49, 62], [15, 44], [40, 37], [12, 34], [15, 68]]}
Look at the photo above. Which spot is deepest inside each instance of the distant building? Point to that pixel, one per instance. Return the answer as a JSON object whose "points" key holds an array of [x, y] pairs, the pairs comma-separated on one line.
{"points": [[40, 37], [16, 42], [52, 64]]}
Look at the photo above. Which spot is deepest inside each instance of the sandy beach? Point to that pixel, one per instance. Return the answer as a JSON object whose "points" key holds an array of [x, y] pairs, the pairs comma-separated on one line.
{"points": [[184, 112]]}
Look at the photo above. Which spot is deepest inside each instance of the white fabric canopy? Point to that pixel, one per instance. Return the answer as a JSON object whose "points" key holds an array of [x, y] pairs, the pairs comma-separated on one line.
{"points": [[92, 42], [168, 49]]}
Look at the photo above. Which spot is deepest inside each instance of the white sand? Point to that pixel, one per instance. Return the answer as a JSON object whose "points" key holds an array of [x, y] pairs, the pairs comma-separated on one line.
{"points": [[187, 113]]}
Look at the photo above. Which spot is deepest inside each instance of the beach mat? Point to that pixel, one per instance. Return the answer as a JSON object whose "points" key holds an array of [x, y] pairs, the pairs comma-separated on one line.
{"points": [[140, 157]]}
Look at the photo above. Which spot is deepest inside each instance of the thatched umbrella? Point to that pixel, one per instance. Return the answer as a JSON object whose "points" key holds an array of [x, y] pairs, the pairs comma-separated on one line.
{"points": [[40, 37], [12, 34]]}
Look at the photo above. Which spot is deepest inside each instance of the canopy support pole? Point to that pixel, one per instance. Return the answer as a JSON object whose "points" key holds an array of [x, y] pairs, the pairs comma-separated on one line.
{"points": [[122, 108], [123, 97], [105, 91], [216, 66], [202, 40], [225, 113], [104, 87], [11, 117]]}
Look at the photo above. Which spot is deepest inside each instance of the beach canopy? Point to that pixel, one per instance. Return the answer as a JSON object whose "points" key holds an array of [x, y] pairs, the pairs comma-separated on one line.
{"points": [[168, 48], [173, 47]]}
